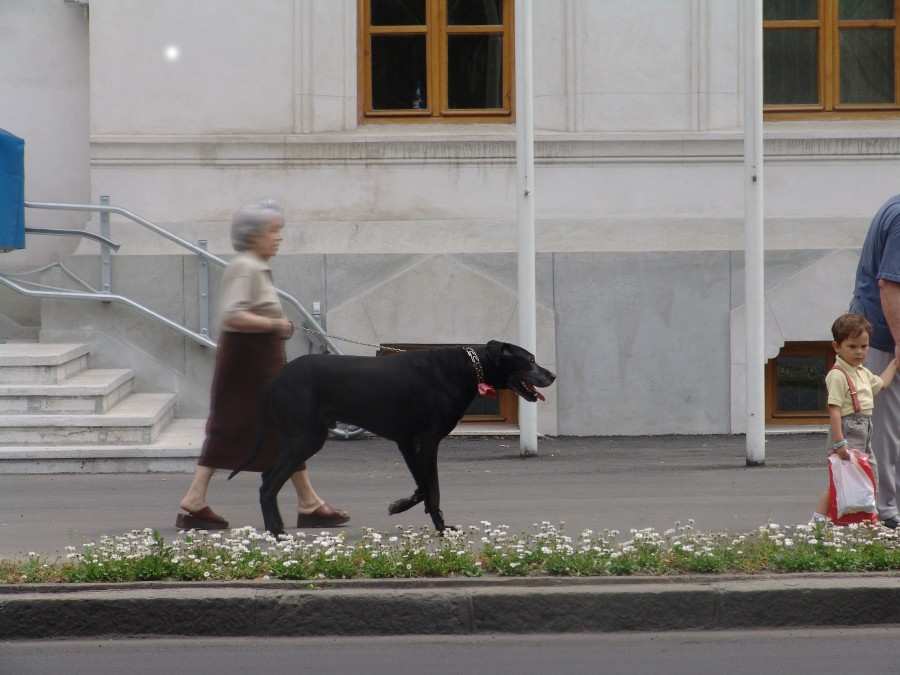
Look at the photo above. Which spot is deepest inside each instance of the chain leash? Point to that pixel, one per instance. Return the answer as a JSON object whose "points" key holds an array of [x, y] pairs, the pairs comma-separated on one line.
{"points": [[313, 331]]}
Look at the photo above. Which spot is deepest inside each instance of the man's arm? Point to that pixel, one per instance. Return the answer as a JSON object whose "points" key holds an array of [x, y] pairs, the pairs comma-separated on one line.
{"points": [[890, 305]]}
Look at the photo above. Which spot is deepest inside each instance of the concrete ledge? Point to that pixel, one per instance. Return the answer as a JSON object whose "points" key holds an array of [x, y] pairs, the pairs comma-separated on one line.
{"points": [[444, 607], [175, 450], [40, 354]]}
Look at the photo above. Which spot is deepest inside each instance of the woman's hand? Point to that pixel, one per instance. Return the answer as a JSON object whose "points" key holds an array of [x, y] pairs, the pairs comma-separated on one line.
{"points": [[283, 328], [250, 322]]}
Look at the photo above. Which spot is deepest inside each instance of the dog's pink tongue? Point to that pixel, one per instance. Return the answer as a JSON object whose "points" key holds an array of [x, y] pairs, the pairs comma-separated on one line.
{"points": [[530, 387]]}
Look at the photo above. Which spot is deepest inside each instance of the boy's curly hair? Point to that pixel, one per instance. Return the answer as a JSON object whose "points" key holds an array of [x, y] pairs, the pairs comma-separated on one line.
{"points": [[850, 325]]}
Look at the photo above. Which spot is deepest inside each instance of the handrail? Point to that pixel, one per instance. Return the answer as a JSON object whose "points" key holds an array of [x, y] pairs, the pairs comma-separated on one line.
{"points": [[108, 297], [309, 322], [73, 233]]}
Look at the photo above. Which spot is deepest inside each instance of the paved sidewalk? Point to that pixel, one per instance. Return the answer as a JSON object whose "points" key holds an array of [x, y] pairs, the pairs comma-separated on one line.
{"points": [[595, 483]]}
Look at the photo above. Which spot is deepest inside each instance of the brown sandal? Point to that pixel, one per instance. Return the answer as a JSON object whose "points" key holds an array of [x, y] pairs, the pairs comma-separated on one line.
{"points": [[323, 516], [204, 519]]}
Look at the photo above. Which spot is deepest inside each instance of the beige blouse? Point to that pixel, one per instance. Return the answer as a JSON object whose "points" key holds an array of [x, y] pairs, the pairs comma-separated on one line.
{"points": [[247, 286]]}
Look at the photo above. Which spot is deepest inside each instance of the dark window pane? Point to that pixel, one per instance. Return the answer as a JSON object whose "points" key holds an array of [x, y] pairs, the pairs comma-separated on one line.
{"points": [[474, 12], [475, 71], [866, 9], [790, 66], [790, 10], [867, 65], [801, 384], [398, 72], [398, 12], [484, 406]]}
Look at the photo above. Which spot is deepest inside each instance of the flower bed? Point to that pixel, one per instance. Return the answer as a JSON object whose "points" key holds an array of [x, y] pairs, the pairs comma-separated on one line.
{"points": [[244, 553]]}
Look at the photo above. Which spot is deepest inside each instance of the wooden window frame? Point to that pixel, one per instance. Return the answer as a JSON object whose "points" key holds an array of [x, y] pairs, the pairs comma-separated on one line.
{"points": [[829, 106], [509, 401], [773, 415], [436, 34]]}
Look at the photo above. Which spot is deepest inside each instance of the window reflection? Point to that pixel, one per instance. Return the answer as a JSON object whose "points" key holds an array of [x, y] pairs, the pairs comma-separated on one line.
{"points": [[475, 71], [398, 12], [399, 76]]}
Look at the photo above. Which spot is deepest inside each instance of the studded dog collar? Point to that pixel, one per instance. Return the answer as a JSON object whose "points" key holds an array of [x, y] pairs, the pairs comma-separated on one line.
{"points": [[485, 390]]}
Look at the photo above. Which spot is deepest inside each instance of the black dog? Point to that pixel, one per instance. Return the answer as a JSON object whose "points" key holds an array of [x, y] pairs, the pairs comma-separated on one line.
{"points": [[414, 398]]}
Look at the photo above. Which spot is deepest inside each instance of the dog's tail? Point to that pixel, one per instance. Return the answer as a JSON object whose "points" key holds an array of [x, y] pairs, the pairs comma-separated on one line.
{"points": [[260, 434]]}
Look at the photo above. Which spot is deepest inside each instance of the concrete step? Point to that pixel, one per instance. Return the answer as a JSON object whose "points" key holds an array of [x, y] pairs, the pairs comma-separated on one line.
{"points": [[138, 419], [38, 363], [175, 450], [88, 392]]}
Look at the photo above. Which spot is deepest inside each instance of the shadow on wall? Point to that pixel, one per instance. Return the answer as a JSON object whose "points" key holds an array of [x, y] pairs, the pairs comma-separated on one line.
{"points": [[799, 309]]}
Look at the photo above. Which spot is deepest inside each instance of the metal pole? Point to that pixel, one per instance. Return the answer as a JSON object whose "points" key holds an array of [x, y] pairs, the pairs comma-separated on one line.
{"points": [[203, 291], [105, 264], [525, 210], [753, 233]]}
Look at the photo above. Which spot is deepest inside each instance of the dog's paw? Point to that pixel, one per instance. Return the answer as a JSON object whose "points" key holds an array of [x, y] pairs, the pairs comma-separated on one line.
{"points": [[400, 506], [404, 504]]}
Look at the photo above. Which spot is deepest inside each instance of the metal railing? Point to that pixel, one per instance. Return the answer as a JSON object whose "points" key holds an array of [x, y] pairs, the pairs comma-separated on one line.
{"points": [[308, 323]]}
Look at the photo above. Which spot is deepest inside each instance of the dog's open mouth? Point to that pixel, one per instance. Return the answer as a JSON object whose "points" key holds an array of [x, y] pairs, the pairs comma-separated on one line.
{"points": [[527, 386]]}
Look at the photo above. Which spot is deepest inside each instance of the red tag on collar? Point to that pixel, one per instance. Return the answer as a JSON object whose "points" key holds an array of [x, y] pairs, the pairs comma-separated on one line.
{"points": [[486, 391]]}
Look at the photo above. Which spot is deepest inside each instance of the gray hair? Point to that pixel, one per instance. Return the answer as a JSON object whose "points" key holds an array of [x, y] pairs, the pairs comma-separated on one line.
{"points": [[251, 221]]}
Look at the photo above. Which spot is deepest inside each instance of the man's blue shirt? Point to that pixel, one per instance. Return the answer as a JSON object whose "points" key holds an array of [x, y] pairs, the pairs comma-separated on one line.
{"points": [[880, 259]]}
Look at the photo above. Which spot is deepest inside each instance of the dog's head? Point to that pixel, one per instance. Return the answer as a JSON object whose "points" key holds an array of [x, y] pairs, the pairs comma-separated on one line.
{"points": [[511, 367]]}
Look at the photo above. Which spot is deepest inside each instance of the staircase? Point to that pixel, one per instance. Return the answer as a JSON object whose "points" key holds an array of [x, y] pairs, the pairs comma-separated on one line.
{"points": [[59, 416]]}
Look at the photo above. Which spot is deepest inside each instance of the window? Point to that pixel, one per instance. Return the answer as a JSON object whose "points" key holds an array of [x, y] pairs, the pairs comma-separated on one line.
{"points": [[795, 384], [831, 58], [435, 60], [500, 411]]}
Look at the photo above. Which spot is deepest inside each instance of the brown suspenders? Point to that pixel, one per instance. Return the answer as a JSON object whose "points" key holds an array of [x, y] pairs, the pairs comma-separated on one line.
{"points": [[853, 395]]}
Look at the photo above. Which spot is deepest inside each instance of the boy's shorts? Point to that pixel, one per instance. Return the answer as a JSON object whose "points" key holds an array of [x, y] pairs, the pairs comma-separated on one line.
{"points": [[857, 430]]}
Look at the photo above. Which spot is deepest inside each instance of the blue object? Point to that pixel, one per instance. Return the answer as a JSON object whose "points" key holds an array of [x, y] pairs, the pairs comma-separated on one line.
{"points": [[879, 259], [12, 191]]}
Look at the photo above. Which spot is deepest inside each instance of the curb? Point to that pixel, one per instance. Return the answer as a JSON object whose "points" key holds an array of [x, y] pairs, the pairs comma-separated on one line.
{"points": [[443, 607]]}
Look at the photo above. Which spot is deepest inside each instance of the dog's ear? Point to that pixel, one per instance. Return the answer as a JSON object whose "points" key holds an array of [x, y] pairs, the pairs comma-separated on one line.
{"points": [[493, 351]]}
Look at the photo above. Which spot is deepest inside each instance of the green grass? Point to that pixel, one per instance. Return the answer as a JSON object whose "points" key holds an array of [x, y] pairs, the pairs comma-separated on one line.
{"points": [[485, 550]]}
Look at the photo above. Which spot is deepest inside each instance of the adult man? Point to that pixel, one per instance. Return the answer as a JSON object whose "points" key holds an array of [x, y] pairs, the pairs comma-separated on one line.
{"points": [[877, 297]]}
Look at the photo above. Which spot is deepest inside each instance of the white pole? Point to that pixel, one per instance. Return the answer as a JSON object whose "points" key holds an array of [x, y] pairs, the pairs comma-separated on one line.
{"points": [[525, 211], [753, 233]]}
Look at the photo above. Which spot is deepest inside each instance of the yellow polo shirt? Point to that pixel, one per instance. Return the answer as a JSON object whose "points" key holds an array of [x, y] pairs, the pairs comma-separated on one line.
{"points": [[867, 384]]}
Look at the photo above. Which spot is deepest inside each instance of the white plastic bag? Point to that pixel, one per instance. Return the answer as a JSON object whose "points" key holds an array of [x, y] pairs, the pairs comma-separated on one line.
{"points": [[854, 489]]}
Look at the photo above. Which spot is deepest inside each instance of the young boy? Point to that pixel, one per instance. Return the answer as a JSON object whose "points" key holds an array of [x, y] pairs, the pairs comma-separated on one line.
{"points": [[850, 411]]}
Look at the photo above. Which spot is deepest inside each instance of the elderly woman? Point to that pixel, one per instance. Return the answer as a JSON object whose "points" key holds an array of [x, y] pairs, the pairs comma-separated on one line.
{"points": [[250, 353]]}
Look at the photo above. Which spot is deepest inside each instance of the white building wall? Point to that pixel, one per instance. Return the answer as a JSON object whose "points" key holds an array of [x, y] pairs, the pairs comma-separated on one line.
{"points": [[638, 186], [44, 99]]}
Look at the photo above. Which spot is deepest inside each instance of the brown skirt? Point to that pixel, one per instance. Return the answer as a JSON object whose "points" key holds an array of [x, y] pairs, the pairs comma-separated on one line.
{"points": [[245, 363]]}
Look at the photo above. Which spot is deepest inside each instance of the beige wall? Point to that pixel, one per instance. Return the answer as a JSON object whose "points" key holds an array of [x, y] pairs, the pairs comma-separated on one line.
{"points": [[638, 187]]}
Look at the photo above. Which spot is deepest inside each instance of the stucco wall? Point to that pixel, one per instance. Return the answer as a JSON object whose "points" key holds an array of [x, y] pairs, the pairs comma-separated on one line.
{"points": [[409, 234], [44, 99]]}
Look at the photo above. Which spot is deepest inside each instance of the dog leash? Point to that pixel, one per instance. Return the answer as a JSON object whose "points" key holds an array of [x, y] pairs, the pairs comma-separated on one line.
{"points": [[313, 331]]}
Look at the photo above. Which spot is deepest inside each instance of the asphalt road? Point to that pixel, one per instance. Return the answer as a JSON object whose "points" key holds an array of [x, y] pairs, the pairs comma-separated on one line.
{"points": [[760, 652], [586, 483]]}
